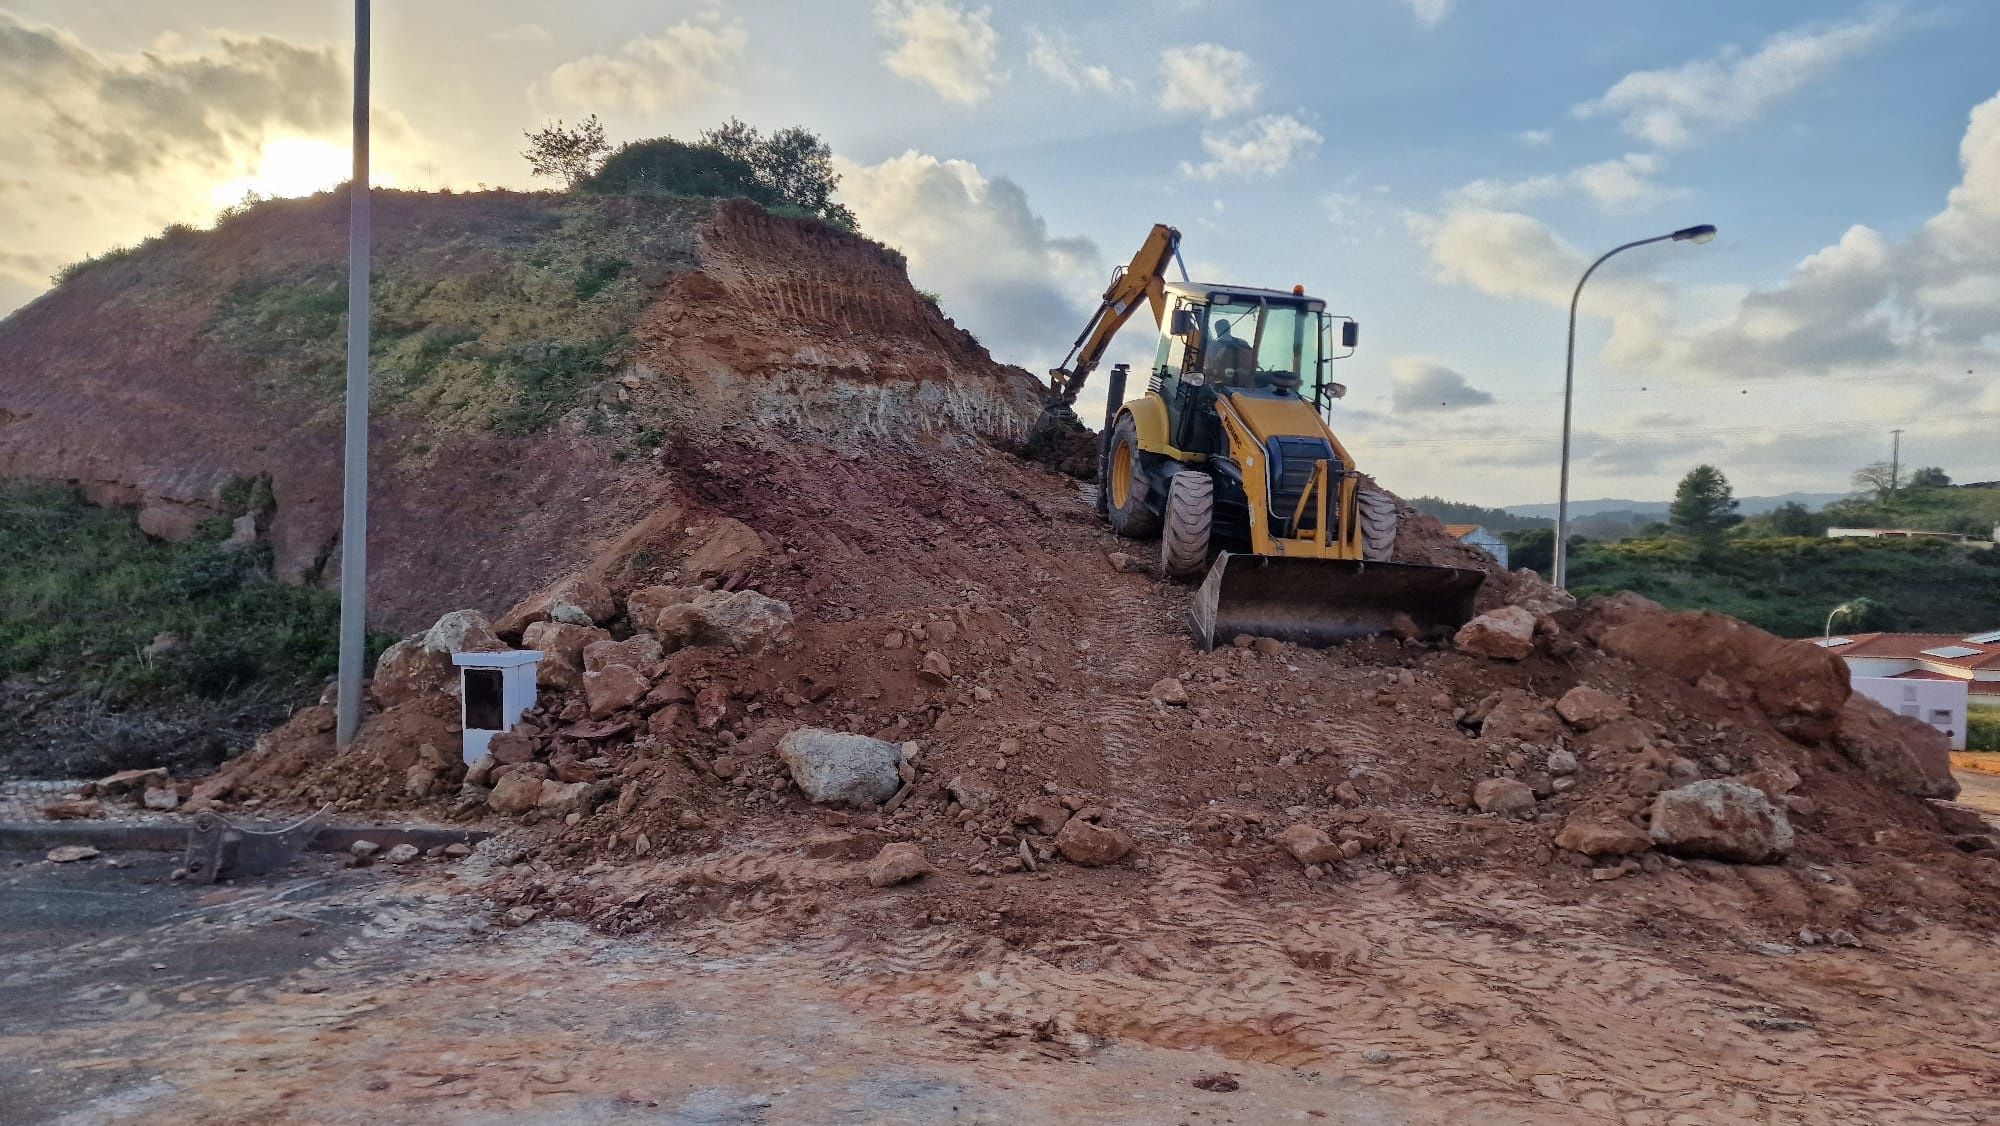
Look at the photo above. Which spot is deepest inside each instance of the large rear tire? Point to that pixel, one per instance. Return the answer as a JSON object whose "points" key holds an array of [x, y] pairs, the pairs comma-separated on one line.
{"points": [[1378, 524], [1190, 515], [1125, 486]]}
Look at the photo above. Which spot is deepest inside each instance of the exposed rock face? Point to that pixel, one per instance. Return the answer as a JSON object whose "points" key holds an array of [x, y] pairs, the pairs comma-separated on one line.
{"points": [[1721, 821], [1798, 686], [838, 767], [1091, 845], [1506, 634], [1904, 752]]}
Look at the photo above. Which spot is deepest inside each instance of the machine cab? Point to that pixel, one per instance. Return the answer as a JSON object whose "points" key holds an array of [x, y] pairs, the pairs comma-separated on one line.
{"points": [[1227, 340]]}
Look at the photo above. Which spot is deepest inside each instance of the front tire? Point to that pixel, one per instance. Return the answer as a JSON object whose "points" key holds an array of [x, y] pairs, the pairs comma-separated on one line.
{"points": [[1125, 486], [1378, 524], [1190, 516]]}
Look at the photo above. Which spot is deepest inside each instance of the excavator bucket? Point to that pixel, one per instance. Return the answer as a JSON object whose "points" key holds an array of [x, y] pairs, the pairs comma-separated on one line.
{"points": [[1317, 602]]}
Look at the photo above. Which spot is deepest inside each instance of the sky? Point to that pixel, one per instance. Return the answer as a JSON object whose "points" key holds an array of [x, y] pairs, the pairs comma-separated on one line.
{"points": [[1441, 170]]}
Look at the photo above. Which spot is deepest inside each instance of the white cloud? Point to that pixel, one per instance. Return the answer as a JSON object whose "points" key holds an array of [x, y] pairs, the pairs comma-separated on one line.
{"points": [[1667, 107], [976, 241], [1430, 13], [1207, 79], [1263, 147], [1535, 138], [1059, 61], [942, 46], [1618, 185], [682, 63], [1426, 385]]}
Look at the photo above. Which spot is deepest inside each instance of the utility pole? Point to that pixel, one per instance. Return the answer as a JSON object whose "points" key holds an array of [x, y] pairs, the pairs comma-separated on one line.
{"points": [[354, 484], [1895, 461]]}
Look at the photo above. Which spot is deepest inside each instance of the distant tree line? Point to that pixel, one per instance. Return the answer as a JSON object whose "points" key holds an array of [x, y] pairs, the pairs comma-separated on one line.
{"points": [[789, 171]]}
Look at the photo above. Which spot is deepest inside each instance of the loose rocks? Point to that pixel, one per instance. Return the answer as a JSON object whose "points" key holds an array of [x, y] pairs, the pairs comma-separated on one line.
{"points": [[897, 863], [1586, 708], [1721, 820], [1505, 796], [402, 854], [67, 854], [1602, 835], [1506, 634], [1308, 845], [1091, 845], [835, 766], [1169, 690]]}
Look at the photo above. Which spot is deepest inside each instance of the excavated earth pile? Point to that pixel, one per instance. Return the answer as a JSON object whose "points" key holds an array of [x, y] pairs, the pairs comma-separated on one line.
{"points": [[856, 692]]}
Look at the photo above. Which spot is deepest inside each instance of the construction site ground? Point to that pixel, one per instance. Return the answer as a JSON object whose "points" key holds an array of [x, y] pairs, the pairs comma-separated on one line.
{"points": [[1205, 981]]}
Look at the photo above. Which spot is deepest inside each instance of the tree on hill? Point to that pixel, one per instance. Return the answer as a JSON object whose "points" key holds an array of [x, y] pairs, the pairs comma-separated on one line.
{"points": [[1930, 477], [1703, 504], [664, 166], [793, 162], [569, 154], [1794, 519], [1881, 478]]}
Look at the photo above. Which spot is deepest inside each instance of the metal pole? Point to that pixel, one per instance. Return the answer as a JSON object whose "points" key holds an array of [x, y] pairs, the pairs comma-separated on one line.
{"points": [[1895, 461], [1569, 386], [354, 485]]}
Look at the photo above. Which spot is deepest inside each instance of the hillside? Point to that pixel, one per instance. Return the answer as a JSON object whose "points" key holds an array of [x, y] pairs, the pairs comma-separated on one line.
{"points": [[1788, 584], [536, 356]]}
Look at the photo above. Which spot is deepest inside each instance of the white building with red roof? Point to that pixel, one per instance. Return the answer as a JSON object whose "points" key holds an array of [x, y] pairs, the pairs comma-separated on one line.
{"points": [[1906, 661]]}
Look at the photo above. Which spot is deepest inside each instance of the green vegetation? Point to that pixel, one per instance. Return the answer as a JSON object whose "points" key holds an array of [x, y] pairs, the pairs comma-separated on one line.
{"points": [[1982, 729], [1704, 504], [1788, 585], [1492, 519], [83, 687]]}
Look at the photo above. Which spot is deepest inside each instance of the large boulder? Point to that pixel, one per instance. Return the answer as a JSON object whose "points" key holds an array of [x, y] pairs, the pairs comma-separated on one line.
{"points": [[561, 646], [1308, 844], [1798, 686], [577, 599], [643, 606], [1091, 845], [743, 620], [640, 653], [612, 689], [1506, 634], [420, 665], [1721, 821], [1518, 714], [898, 863], [839, 767], [1584, 707], [1508, 797], [1899, 750]]}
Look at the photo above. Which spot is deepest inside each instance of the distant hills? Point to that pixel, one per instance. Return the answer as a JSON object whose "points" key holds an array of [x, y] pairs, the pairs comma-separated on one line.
{"points": [[1748, 506]]}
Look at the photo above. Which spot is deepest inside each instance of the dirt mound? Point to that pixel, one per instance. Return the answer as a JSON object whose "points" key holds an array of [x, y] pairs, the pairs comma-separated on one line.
{"points": [[535, 355]]}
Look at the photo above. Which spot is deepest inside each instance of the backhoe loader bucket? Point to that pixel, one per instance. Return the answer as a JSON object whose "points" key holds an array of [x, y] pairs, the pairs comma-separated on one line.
{"points": [[1317, 602]]}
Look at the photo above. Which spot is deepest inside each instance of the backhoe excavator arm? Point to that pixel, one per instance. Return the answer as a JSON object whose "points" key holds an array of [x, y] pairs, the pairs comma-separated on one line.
{"points": [[1144, 277]]}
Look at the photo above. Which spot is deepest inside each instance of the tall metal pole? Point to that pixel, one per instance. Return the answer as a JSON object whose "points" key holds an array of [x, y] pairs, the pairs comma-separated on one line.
{"points": [[354, 485], [1895, 460], [1698, 234]]}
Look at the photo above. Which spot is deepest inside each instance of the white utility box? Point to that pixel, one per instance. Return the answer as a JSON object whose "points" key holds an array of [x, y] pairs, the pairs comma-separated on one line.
{"points": [[1940, 703], [493, 690]]}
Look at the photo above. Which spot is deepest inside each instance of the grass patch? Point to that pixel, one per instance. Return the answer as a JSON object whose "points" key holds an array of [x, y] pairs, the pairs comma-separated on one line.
{"points": [[87, 594], [1982, 730]]}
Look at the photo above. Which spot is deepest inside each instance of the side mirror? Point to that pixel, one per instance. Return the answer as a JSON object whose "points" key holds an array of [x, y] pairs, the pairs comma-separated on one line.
{"points": [[1181, 323], [1350, 334]]}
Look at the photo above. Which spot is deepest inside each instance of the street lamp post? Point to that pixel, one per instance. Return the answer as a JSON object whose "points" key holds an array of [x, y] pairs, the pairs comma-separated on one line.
{"points": [[1697, 234], [354, 470]]}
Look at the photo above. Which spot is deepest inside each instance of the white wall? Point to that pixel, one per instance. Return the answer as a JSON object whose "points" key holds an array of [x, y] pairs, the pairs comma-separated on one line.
{"points": [[1940, 703]]}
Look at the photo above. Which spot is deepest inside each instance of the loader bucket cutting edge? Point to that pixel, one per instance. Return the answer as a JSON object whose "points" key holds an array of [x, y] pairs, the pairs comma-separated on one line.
{"points": [[1318, 602]]}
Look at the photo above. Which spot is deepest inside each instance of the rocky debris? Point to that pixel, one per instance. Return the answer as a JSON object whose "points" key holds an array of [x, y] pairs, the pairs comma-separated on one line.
{"points": [[936, 667], [70, 854], [363, 852], [1722, 821], [1901, 751], [457, 850], [420, 665], [1092, 845], [1169, 690], [402, 854], [743, 620], [1561, 763], [613, 689], [1123, 563], [130, 783], [1506, 634], [1586, 708], [897, 863], [729, 546], [640, 653], [1307, 844], [1515, 715], [73, 809], [1505, 796], [519, 915], [838, 767], [577, 600], [1602, 834], [1043, 815], [1799, 687], [516, 793], [161, 799], [561, 646], [643, 606]]}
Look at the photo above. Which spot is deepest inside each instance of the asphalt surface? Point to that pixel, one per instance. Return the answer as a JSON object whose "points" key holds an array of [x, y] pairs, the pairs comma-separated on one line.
{"points": [[1981, 791]]}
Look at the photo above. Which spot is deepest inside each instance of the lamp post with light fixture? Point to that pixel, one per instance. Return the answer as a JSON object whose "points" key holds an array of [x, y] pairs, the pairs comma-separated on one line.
{"points": [[1697, 234]]}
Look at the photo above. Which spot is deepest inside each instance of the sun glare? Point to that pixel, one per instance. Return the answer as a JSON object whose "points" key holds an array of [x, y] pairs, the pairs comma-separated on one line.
{"points": [[288, 166]]}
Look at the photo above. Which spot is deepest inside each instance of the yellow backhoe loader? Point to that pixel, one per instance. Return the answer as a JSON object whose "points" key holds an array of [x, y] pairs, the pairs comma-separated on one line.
{"points": [[1227, 456]]}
